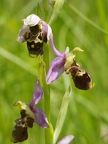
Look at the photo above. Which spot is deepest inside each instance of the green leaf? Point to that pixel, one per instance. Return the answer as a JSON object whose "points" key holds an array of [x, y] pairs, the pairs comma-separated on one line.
{"points": [[62, 115], [18, 61]]}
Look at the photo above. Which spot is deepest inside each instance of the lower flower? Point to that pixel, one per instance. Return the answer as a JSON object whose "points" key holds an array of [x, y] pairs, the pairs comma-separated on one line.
{"points": [[20, 131], [29, 115]]}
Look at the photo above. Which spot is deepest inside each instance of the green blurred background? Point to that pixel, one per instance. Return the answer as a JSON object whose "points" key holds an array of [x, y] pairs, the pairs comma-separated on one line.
{"points": [[87, 117]]}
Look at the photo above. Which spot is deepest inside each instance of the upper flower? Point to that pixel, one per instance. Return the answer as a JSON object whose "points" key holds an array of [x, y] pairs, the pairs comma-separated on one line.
{"points": [[29, 115], [35, 32], [66, 62]]}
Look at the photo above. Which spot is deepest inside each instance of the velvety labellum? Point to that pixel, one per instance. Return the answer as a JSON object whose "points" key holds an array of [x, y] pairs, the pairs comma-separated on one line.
{"points": [[20, 133], [80, 77], [35, 48]]}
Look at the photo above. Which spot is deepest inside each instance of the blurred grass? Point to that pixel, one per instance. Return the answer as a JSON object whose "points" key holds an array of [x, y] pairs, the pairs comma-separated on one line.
{"points": [[87, 117]]}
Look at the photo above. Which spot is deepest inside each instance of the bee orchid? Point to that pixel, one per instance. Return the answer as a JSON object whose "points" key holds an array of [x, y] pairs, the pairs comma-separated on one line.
{"points": [[29, 115], [35, 32]]}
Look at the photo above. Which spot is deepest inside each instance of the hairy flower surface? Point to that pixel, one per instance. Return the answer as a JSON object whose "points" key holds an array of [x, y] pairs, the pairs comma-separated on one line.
{"points": [[65, 62], [80, 77], [35, 32], [29, 115]]}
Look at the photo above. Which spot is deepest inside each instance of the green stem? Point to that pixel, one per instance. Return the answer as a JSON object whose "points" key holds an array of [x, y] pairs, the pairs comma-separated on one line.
{"points": [[49, 131], [43, 67], [46, 88]]}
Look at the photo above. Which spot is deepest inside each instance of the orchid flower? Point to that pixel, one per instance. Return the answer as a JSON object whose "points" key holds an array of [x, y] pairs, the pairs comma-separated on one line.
{"points": [[35, 32], [29, 115], [65, 62], [66, 139]]}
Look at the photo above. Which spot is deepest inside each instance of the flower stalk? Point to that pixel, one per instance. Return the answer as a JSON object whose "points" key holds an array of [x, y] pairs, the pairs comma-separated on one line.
{"points": [[46, 88]]}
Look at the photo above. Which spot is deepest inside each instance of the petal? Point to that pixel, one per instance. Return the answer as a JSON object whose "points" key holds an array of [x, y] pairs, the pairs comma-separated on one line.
{"points": [[38, 92], [40, 118], [46, 28], [66, 140], [55, 70], [58, 53], [24, 30], [66, 51], [31, 20]]}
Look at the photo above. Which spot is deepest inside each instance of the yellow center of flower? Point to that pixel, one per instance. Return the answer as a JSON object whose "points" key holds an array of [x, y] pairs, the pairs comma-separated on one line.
{"points": [[25, 107], [70, 58], [69, 61]]}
